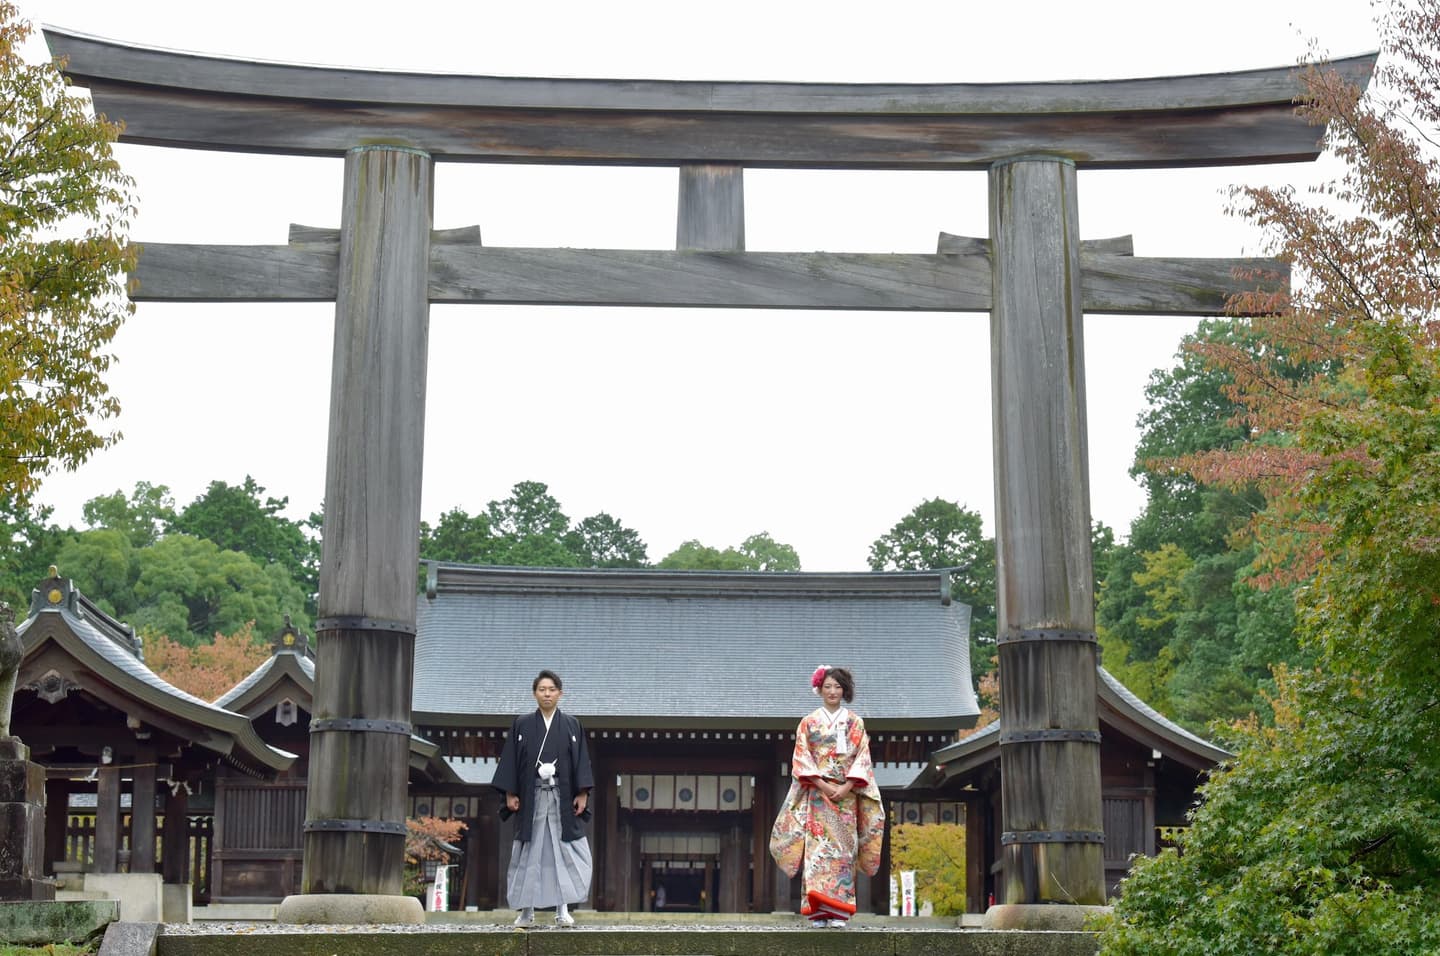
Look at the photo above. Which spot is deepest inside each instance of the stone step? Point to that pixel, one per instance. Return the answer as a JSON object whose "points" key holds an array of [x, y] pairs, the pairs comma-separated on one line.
{"points": [[594, 938]]}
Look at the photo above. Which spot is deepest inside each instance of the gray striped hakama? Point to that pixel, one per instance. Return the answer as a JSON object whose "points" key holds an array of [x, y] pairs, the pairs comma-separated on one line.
{"points": [[547, 871]]}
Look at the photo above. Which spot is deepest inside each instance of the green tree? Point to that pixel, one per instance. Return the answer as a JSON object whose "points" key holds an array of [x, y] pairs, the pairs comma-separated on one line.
{"points": [[694, 556], [65, 208], [102, 564], [28, 545], [1320, 837], [459, 537], [936, 852], [529, 529], [764, 553], [143, 516], [759, 552], [944, 534], [189, 589], [1176, 603], [602, 542], [236, 518], [182, 587]]}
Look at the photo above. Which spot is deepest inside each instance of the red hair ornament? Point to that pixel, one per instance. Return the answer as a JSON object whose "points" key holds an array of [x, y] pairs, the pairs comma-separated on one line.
{"points": [[818, 678]]}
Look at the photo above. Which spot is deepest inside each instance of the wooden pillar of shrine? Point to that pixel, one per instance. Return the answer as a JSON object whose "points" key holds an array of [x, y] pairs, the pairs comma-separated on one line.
{"points": [[142, 814], [57, 815], [107, 821], [365, 634], [175, 837], [1052, 842]]}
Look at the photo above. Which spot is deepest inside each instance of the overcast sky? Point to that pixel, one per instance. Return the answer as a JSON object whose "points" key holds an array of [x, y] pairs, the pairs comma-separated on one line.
{"points": [[823, 429]]}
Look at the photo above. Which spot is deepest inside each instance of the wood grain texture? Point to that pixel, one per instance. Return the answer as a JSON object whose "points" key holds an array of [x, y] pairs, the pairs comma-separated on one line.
{"points": [[94, 57], [377, 396], [370, 539], [1042, 532], [171, 98], [711, 210], [463, 271]]}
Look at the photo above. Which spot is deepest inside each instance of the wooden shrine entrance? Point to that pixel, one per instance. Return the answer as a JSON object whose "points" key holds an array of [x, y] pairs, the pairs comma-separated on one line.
{"points": [[385, 266]]}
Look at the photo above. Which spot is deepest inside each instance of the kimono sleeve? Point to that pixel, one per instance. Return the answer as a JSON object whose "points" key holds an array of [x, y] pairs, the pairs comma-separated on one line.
{"points": [[507, 771], [803, 764], [862, 768]]}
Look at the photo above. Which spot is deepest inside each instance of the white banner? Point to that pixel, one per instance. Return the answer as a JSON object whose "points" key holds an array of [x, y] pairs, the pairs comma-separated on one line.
{"points": [[438, 899], [907, 892], [894, 896]]}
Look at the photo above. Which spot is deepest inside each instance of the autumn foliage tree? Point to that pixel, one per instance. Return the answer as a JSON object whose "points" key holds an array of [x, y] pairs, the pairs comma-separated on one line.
{"points": [[936, 852], [206, 670], [1321, 837], [65, 208], [426, 839]]}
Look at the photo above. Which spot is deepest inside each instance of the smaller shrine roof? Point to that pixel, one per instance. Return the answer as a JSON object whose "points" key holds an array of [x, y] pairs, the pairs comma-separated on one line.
{"points": [[1118, 705], [109, 650], [293, 663], [690, 648]]}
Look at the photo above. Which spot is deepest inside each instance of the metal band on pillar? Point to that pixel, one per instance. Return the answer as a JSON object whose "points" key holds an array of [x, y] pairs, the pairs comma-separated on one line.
{"points": [[341, 623], [353, 725], [355, 826], [1050, 736], [1013, 837], [1021, 635]]}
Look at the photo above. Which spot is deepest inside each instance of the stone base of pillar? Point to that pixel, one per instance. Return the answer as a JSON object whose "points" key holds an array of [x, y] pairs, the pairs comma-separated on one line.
{"points": [[348, 908], [1041, 916], [22, 825]]}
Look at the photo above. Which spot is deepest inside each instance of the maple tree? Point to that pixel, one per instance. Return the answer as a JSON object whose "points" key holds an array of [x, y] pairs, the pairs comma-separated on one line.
{"points": [[206, 670], [65, 208], [426, 839], [1319, 837]]}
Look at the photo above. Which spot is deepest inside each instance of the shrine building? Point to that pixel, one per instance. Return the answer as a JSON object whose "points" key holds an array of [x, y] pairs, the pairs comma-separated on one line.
{"points": [[690, 685]]}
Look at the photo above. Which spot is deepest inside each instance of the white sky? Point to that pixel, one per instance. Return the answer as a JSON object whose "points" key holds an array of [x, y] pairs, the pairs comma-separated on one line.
{"points": [[823, 429]]}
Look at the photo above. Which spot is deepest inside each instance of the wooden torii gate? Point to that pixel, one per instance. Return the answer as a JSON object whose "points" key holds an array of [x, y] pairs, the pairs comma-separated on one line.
{"points": [[385, 265]]}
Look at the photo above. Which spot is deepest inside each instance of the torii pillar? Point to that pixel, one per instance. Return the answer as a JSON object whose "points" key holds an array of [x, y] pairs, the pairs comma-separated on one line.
{"points": [[365, 635], [1053, 838]]}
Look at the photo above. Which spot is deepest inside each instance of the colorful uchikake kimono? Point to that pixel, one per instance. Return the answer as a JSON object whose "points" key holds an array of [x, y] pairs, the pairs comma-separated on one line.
{"points": [[831, 839]]}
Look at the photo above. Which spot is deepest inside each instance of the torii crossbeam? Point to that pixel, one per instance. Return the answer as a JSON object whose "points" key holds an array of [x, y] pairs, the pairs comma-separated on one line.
{"points": [[385, 266]]}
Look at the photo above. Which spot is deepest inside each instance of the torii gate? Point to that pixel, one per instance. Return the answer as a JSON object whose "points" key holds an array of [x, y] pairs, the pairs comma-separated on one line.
{"points": [[385, 265]]}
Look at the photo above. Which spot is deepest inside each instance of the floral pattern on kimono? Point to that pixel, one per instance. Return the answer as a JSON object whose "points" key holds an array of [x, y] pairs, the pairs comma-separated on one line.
{"points": [[830, 839]]}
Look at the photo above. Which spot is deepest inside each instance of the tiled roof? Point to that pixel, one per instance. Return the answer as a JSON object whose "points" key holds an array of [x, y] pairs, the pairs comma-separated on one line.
{"points": [[977, 746], [261, 674], [1167, 727], [672, 647], [109, 648]]}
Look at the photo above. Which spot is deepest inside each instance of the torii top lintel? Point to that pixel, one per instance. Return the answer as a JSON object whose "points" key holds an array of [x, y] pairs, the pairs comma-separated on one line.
{"points": [[172, 98]]}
